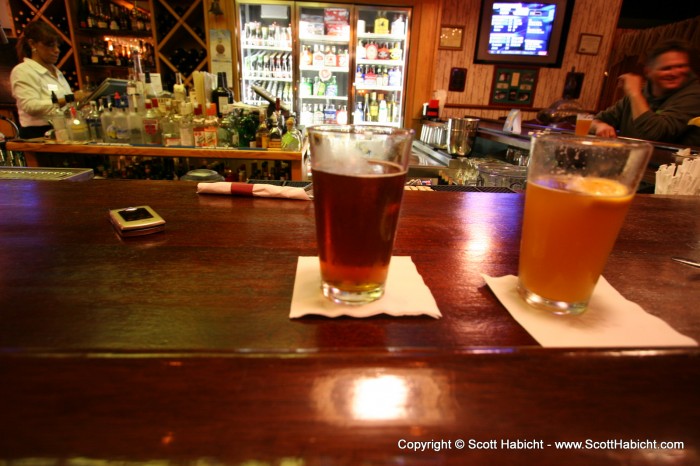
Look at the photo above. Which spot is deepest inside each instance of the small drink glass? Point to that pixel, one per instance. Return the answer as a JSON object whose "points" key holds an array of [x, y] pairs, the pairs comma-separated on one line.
{"points": [[358, 174], [578, 192], [583, 123]]}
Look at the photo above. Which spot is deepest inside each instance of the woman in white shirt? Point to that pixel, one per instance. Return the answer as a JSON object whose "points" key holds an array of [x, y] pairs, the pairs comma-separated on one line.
{"points": [[35, 77]]}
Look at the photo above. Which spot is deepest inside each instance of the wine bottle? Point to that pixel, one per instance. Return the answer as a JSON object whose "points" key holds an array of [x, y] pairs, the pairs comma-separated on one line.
{"points": [[221, 96]]}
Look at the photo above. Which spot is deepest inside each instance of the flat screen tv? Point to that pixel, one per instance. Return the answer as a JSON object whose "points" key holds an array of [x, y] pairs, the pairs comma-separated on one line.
{"points": [[524, 33]]}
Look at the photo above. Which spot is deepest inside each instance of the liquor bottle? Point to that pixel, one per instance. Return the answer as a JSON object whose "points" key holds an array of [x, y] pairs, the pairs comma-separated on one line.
{"points": [[359, 75], [262, 134], [361, 51], [226, 130], [330, 58], [342, 116], [318, 115], [343, 58], [383, 52], [365, 108], [275, 136], [306, 56], [394, 77], [198, 126], [83, 14], [94, 123], [329, 115], [306, 117], [152, 131], [106, 119], [179, 91], [395, 113], [371, 51], [398, 26], [134, 121], [221, 96], [332, 88], [149, 89], [290, 140], [381, 23], [58, 120], [307, 87], [359, 113], [320, 87], [120, 122], [383, 116], [373, 107], [395, 53], [170, 127], [186, 128], [370, 77], [211, 126], [318, 57]]}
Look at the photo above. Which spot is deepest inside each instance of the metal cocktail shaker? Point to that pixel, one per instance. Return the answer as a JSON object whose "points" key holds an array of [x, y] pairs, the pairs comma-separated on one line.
{"points": [[461, 133]]}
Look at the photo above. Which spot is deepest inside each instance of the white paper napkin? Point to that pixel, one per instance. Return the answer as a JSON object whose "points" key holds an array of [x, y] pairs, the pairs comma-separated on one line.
{"points": [[610, 320], [405, 294]]}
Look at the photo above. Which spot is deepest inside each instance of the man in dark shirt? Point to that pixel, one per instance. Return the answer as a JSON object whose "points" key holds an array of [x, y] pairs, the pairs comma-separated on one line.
{"points": [[661, 109]]}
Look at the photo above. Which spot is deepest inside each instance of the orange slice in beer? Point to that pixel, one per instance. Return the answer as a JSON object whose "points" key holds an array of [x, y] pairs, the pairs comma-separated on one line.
{"points": [[597, 187]]}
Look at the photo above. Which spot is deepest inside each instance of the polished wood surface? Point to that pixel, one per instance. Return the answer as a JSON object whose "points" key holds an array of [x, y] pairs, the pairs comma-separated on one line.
{"points": [[221, 275], [31, 149], [350, 408], [178, 347]]}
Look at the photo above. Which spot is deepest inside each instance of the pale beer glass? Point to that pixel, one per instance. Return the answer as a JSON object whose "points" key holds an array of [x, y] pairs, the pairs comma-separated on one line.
{"points": [[578, 192], [358, 180], [583, 123]]}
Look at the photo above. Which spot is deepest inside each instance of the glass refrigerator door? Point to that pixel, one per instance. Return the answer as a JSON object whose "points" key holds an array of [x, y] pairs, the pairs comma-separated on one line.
{"points": [[324, 66], [267, 62], [380, 73]]}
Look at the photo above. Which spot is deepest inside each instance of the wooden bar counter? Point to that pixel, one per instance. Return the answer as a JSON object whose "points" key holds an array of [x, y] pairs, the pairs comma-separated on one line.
{"points": [[34, 150], [176, 348]]}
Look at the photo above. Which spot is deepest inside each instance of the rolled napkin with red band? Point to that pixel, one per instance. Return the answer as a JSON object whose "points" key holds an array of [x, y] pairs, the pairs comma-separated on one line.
{"points": [[253, 190]]}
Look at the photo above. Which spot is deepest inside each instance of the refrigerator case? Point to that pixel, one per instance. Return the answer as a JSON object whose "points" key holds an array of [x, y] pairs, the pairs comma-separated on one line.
{"points": [[324, 63], [381, 56], [267, 59]]}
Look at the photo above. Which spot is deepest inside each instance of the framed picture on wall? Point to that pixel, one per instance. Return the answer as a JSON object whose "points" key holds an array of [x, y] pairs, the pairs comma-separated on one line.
{"points": [[589, 44], [513, 86], [451, 37]]}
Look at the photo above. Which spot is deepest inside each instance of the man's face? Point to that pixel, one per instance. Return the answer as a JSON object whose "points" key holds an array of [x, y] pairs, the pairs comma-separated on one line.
{"points": [[668, 72]]}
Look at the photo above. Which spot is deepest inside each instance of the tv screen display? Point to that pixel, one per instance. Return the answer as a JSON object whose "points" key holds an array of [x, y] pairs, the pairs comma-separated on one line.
{"points": [[523, 33]]}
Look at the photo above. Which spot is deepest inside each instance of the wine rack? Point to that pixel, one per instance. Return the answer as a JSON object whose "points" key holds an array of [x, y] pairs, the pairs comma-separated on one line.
{"points": [[105, 32], [181, 38], [55, 14]]}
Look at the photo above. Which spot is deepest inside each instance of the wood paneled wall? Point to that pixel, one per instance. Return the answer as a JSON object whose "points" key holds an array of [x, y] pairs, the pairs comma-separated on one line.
{"points": [[589, 16]]}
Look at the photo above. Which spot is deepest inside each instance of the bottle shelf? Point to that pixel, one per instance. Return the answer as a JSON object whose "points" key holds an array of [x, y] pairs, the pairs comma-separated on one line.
{"points": [[389, 37], [267, 47], [325, 39], [373, 87], [260, 78], [324, 97], [334, 69], [381, 62], [113, 32]]}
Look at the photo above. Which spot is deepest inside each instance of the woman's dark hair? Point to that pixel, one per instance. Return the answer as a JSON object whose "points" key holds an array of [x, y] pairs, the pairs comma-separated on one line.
{"points": [[38, 31]]}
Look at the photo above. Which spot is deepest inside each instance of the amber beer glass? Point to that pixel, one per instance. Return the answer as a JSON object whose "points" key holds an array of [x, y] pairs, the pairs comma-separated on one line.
{"points": [[578, 192], [358, 178], [583, 123]]}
